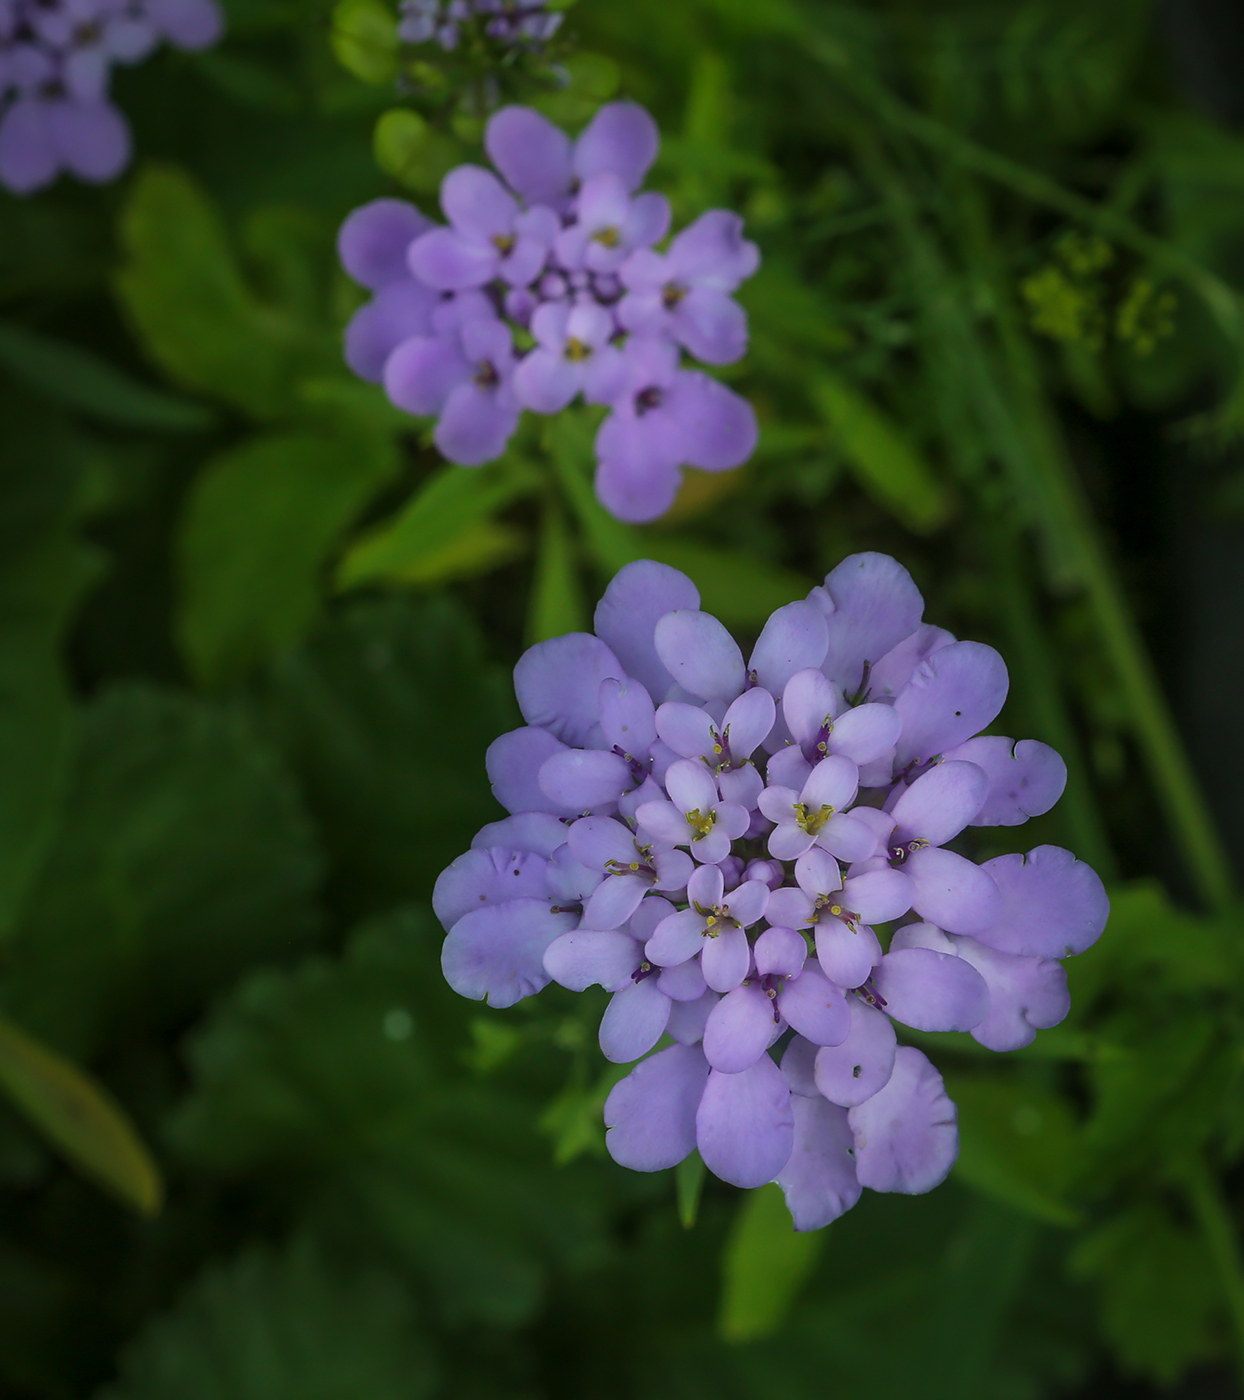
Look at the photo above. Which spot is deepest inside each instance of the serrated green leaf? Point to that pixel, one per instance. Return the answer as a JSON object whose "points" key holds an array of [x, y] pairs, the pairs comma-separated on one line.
{"points": [[296, 1325], [182, 856], [84, 381], [385, 715], [766, 1262], [354, 1069], [1017, 1143], [80, 1118], [260, 522], [182, 290], [885, 461], [431, 536]]}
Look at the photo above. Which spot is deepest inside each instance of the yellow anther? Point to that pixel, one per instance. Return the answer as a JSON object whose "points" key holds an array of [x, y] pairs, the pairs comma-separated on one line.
{"points": [[699, 822], [503, 243], [812, 822], [608, 237], [634, 865], [577, 349]]}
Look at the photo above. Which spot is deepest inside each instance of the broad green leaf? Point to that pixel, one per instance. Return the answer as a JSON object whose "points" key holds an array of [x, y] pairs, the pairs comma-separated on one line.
{"points": [[557, 604], [80, 1118], [182, 856], [364, 39], [85, 381], [1158, 1289], [1017, 1143], [431, 536], [885, 461], [260, 522], [412, 151], [353, 1069], [293, 1325], [765, 1264], [187, 300], [385, 715]]}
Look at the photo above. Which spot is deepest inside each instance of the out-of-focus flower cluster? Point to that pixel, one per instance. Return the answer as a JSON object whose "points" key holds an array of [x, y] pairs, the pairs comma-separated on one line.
{"points": [[562, 255], [514, 24], [714, 841], [56, 58]]}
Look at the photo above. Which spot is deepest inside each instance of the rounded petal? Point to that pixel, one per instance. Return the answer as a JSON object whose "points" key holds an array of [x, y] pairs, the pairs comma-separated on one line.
{"points": [[685, 982], [636, 486], [372, 242], [532, 153], [951, 892], [585, 958], [706, 886], [558, 684], [187, 24], [780, 951], [443, 259], [477, 203], [950, 697], [528, 831], [748, 902], [29, 158], [865, 733], [850, 1073], [92, 138], [488, 876], [712, 325], [651, 1114], [792, 641], [889, 675], [726, 959], [700, 654], [621, 139], [1052, 905], [878, 896], [663, 821], [676, 938], [832, 783], [688, 1018], [421, 373], [739, 1029], [815, 1007], [846, 955], [687, 729], [599, 841], [717, 427], [788, 841], [627, 716], [545, 382], [496, 954], [871, 604], [931, 991], [475, 425], [798, 1065], [1025, 995], [847, 838], [398, 312], [907, 1134], [744, 1126], [748, 721], [690, 786], [614, 900], [634, 1021], [513, 762], [818, 873], [1025, 779], [579, 779], [638, 596], [940, 803], [789, 908], [712, 251], [819, 1179]]}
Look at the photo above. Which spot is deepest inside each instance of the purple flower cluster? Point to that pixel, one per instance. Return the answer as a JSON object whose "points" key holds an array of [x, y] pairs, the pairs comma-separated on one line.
{"points": [[563, 253], [55, 61], [512, 23], [715, 842]]}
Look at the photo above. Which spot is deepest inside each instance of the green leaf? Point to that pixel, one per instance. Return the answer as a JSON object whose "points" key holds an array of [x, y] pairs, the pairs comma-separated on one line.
{"points": [[437, 533], [386, 714], [885, 461], [364, 38], [591, 79], [80, 1118], [1159, 1291], [412, 151], [290, 1326], [188, 302], [84, 381], [353, 1070], [1017, 1143], [557, 604], [738, 588], [765, 1264], [260, 522], [182, 856], [689, 1184]]}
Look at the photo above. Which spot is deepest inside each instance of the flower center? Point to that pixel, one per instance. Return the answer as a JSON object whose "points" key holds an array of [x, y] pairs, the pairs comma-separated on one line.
{"points": [[607, 237], [577, 349], [647, 399], [486, 375], [671, 295], [503, 243], [822, 738], [831, 904], [812, 822], [898, 854], [701, 823]]}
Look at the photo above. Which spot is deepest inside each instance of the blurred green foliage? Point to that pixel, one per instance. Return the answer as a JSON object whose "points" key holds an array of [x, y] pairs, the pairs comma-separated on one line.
{"points": [[255, 637]]}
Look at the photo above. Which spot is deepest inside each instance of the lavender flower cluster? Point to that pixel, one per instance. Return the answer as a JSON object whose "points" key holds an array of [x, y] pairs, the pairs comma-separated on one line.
{"points": [[56, 57], [565, 257], [714, 841], [515, 24]]}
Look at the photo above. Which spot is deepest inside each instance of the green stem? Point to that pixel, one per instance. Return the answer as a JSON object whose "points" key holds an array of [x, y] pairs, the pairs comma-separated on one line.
{"points": [[1213, 1217]]}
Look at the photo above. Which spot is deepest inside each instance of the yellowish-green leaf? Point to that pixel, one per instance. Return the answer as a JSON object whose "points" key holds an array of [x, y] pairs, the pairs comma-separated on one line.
{"points": [[80, 1118], [365, 39], [765, 1264], [429, 537], [885, 461], [412, 151]]}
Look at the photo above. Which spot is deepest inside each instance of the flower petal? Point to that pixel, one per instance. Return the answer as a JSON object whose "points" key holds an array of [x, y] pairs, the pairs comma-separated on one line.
{"points": [[488, 876], [739, 1029], [513, 762], [650, 1115], [531, 152], [780, 950], [372, 242], [907, 1134], [725, 959], [846, 955], [865, 733], [638, 596], [940, 803], [1025, 779], [931, 991], [621, 139], [815, 1007], [871, 604], [443, 259], [1052, 905], [497, 953], [950, 697], [633, 1021], [748, 721], [1025, 995], [819, 1178], [558, 684], [584, 958], [577, 780], [745, 1127], [700, 654], [951, 892], [475, 425], [854, 1071]]}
